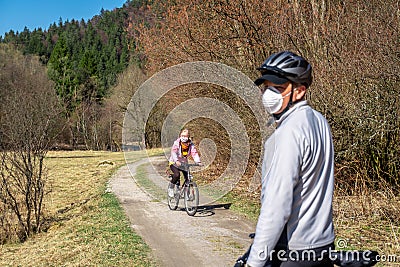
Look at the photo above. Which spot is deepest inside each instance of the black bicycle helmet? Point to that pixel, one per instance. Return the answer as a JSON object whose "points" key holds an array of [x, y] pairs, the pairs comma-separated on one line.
{"points": [[285, 66]]}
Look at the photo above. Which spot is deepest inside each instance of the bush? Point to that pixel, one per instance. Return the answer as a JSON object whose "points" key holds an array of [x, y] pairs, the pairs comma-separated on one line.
{"points": [[353, 50], [28, 123]]}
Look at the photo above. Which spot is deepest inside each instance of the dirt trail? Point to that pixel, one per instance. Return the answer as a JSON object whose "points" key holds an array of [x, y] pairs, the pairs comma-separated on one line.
{"points": [[213, 237]]}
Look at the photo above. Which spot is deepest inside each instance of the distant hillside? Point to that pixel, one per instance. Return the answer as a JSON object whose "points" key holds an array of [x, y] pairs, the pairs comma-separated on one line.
{"points": [[84, 57], [84, 60]]}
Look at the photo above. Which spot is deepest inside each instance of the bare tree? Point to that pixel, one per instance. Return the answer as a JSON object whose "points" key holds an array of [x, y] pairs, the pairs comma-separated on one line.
{"points": [[352, 47], [29, 121], [122, 111]]}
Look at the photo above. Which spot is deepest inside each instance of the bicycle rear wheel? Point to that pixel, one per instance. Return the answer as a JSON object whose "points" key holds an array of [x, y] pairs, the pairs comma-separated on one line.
{"points": [[191, 198], [173, 201]]}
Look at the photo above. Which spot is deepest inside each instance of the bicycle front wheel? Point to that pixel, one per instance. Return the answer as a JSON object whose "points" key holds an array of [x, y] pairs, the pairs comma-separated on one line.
{"points": [[173, 201], [191, 198]]}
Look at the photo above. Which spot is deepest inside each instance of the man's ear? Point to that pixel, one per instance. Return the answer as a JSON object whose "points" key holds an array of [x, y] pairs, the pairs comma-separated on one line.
{"points": [[300, 92]]}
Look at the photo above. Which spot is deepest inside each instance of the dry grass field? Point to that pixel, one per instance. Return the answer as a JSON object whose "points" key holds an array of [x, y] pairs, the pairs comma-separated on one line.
{"points": [[87, 226], [369, 221]]}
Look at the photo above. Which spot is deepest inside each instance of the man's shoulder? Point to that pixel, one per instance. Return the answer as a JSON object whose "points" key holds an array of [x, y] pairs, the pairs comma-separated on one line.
{"points": [[298, 117], [305, 115], [300, 123]]}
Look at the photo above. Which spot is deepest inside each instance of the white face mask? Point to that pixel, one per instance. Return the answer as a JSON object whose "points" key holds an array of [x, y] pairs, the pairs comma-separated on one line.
{"points": [[272, 99], [184, 139]]}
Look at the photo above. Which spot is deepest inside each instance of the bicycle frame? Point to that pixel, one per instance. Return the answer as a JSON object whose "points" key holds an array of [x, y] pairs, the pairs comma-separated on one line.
{"points": [[189, 179], [183, 192]]}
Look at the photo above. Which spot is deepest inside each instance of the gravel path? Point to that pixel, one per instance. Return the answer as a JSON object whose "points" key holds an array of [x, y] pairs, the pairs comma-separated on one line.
{"points": [[213, 237]]}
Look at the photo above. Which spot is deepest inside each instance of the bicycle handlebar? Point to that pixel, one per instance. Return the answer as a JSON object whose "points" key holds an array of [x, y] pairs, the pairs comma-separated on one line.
{"points": [[193, 164], [183, 164]]}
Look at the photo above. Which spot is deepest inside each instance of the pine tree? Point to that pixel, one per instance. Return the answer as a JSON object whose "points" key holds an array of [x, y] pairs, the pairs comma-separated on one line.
{"points": [[59, 70]]}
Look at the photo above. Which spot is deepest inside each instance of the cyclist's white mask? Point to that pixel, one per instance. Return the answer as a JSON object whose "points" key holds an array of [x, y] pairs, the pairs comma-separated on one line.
{"points": [[184, 139], [273, 100]]}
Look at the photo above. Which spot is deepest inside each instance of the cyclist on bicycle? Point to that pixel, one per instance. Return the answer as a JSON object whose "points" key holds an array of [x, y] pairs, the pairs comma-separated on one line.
{"points": [[182, 148]]}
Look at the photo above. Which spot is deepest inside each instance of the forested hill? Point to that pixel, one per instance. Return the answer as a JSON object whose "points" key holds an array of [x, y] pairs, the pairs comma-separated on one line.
{"points": [[83, 57]]}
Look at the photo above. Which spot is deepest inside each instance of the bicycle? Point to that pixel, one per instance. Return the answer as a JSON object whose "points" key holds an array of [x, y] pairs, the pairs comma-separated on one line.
{"points": [[188, 191], [341, 258]]}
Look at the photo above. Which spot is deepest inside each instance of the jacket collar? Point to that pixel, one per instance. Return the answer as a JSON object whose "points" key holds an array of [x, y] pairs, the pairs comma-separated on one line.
{"points": [[295, 107]]}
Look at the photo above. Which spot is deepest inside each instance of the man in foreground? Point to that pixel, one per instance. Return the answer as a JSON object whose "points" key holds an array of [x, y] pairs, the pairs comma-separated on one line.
{"points": [[295, 225]]}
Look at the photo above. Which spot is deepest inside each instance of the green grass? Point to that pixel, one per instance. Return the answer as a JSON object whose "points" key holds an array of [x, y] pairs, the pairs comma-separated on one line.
{"points": [[244, 206], [141, 177], [111, 225]]}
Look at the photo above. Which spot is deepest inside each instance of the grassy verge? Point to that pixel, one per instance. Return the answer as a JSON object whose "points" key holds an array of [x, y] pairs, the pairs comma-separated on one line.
{"points": [[142, 179], [87, 225], [248, 208]]}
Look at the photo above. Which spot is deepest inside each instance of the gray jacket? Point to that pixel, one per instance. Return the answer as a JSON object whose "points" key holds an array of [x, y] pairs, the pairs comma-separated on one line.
{"points": [[297, 185]]}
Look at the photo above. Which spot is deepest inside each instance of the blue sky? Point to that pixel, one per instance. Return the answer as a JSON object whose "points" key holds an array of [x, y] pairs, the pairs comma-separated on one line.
{"points": [[16, 14]]}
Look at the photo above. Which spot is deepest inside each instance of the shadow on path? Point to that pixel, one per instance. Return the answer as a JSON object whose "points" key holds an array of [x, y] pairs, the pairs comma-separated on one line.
{"points": [[208, 210]]}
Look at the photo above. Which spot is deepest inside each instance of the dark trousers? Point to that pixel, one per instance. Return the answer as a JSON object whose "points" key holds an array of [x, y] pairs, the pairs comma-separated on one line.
{"points": [[299, 258], [176, 174]]}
